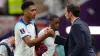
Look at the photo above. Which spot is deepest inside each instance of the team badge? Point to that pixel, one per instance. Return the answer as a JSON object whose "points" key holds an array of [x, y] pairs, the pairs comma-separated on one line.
{"points": [[22, 31]]}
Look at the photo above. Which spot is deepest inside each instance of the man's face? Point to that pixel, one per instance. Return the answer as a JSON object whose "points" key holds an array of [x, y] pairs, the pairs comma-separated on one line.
{"points": [[67, 14], [31, 11], [55, 23]]}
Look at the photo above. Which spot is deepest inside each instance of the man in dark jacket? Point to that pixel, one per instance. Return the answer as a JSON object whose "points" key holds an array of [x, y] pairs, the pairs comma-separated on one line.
{"points": [[78, 42]]}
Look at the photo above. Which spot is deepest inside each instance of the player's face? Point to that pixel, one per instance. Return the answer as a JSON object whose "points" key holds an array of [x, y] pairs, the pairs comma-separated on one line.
{"points": [[67, 15], [31, 11], [55, 23]]}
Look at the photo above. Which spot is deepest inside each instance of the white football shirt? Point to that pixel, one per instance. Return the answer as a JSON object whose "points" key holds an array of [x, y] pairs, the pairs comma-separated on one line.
{"points": [[21, 31], [49, 42], [3, 49]]}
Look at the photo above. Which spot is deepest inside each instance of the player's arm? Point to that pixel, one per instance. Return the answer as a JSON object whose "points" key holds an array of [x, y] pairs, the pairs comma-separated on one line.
{"points": [[27, 38], [35, 41]]}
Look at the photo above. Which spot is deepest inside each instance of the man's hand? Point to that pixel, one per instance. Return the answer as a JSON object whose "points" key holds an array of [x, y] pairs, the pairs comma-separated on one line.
{"points": [[49, 32]]}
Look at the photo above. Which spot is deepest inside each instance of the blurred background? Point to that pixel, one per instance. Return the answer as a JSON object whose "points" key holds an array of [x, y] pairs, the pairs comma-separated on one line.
{"points": [[10, 12]]}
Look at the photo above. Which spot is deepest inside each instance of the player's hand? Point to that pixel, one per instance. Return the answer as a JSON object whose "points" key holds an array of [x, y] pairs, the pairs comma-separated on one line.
{"points": [[49, 32]]}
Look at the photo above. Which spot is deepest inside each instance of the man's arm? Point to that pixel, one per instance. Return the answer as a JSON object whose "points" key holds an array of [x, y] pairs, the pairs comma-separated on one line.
{"points": [[37, 40], [60, 40], [79, 40], [22, 31]]}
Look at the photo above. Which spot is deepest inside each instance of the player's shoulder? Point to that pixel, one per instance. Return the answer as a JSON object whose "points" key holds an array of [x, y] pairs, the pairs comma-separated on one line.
{"points": [[42, 30], [20, 23], [3, 47]]}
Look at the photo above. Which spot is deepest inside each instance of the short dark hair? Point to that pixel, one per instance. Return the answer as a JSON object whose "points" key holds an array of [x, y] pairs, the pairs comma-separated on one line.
{"points": [[26, 4], [51, 17], [74, 9]]}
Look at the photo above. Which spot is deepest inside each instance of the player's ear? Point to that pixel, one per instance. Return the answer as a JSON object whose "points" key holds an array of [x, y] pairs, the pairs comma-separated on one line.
{"points": [[25, 11], [70, 13]]}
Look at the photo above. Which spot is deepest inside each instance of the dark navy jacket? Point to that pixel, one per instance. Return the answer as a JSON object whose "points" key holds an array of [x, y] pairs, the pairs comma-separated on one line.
{"points": [[78, 42]]}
